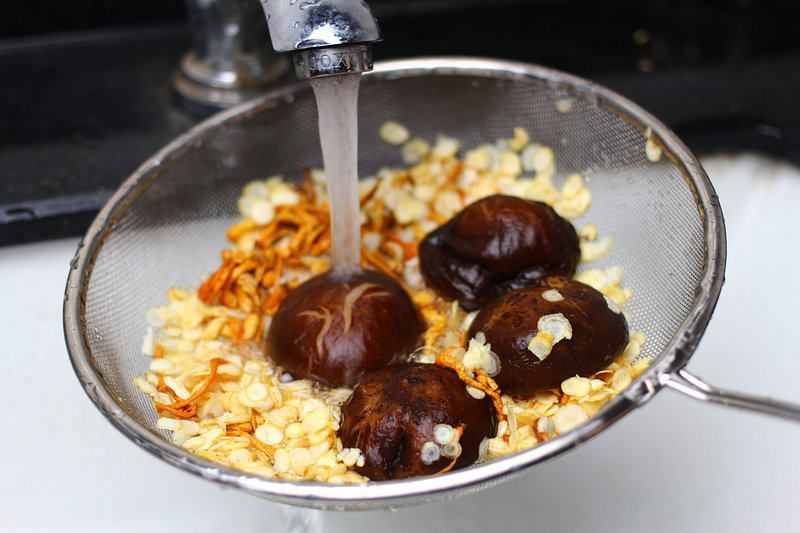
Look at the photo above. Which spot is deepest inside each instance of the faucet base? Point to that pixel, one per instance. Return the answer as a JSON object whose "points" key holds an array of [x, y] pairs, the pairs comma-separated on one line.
{"points": [[202, 88]]}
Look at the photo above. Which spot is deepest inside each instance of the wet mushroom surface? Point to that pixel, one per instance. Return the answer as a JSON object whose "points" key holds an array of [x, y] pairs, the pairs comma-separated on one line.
{"points": [[547, 334], [495, 245], [415, 419], [337, 326]]}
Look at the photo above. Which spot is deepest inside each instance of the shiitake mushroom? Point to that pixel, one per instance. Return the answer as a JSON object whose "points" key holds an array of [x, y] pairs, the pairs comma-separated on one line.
{"points": [[392, 414], [594, 334], [496, 245], [339, 325]]}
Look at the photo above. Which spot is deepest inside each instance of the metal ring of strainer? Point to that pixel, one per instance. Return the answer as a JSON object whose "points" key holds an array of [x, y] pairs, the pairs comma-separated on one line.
{"points": [[166, 226]]}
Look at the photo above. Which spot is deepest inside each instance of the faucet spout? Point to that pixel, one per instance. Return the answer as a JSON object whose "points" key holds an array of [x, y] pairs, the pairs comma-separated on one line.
{"points": [[327, 37]]}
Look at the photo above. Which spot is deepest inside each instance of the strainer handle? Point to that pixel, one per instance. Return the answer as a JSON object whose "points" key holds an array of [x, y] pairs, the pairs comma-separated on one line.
{"points": [[689, 384]]}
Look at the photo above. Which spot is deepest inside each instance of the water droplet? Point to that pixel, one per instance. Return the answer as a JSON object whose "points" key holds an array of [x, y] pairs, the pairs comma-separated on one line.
{"points": [[231, 30]]}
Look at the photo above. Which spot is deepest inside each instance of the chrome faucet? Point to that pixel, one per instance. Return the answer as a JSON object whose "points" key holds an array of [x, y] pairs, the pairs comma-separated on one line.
{"points": [[231, 62], [327, 37]]}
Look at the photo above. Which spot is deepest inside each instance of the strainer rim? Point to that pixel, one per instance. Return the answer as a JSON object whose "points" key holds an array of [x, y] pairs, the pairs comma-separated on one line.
{"points": [[673, 357]]}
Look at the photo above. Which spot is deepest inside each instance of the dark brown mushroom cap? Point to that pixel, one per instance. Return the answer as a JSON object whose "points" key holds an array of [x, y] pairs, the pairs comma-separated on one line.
{"points": [[496, 245], [338, 326], [599, 335], [392, 412]]}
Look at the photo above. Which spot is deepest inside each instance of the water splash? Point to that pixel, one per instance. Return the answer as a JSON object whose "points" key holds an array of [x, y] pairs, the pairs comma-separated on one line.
{"points": [[301, 520]]}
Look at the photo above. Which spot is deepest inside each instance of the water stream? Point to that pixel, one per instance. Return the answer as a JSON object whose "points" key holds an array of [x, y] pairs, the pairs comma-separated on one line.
{"points": [[337, 105]]}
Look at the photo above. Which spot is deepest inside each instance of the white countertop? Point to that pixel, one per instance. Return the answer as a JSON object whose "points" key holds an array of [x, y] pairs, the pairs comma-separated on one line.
{"points": [[674, 465]]}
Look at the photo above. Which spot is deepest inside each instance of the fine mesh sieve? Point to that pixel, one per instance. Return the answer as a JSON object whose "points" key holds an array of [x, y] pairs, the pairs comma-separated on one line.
{"points": [[166, 226]]}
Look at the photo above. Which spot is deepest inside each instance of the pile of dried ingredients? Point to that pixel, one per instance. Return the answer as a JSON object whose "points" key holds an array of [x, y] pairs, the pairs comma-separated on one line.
{"points": [[219, 395]]}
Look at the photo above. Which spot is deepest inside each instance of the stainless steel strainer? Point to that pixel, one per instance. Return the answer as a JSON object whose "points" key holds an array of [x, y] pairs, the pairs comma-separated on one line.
{"points": [[166, 226]]}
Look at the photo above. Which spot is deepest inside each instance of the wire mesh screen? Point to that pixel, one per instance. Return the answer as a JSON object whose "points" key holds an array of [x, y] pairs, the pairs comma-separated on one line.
{"points": [[174, 229]]}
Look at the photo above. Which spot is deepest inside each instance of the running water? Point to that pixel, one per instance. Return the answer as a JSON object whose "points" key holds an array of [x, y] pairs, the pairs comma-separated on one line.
{"points": [[300, 520], [337, 105]]}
